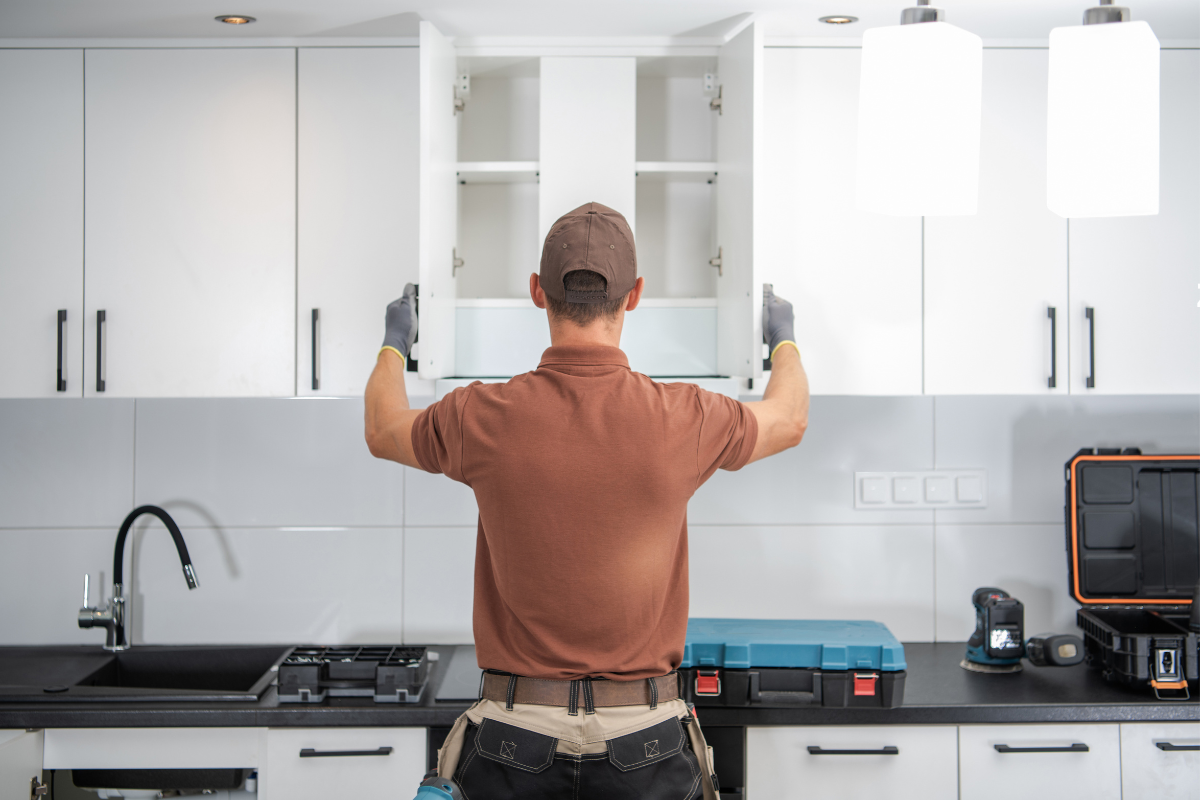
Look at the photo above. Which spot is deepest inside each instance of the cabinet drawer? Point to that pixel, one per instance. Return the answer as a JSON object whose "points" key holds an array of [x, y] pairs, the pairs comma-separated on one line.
{"points": [[152, 748], [996, 761], [886, 761], [1152, 766], [320, 763]]}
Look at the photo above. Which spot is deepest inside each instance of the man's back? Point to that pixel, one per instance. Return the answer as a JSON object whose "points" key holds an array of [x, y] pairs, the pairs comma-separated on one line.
{"points": [[582, 471]]}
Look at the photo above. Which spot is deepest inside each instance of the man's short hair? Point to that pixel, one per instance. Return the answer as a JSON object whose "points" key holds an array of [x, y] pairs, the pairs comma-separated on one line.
{"points": [[584, 280]]}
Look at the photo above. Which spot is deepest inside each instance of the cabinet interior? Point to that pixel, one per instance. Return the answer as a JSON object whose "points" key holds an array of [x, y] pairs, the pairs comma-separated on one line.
{"points": [[674, 220]]}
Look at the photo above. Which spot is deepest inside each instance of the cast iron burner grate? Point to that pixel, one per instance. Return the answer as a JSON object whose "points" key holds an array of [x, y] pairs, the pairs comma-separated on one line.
{"points": [[389, 674]]}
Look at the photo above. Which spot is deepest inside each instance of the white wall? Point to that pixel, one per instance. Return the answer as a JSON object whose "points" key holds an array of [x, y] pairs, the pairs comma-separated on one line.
{"points": [[299, 535]]}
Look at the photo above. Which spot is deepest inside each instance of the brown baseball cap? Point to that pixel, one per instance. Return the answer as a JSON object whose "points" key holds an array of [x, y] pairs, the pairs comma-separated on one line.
{"points": [[595, 238]]}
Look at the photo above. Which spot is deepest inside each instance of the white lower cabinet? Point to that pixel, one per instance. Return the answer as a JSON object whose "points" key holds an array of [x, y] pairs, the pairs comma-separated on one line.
{"points": [[1006, 761], [153, 748], [1155, 764], [20, 762], [320, 763], [845, 763]]}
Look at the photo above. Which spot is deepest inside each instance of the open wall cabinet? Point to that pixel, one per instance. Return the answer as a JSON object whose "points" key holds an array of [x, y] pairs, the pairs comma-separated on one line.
{"points": [[512, 140]]}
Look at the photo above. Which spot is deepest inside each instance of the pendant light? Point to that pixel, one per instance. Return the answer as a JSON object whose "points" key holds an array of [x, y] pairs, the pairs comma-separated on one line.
{"points": [[1102, 117], [918, 117]]}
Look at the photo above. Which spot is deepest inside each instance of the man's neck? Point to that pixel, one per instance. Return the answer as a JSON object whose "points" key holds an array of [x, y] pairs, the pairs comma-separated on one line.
{"points": [[600, 333]]}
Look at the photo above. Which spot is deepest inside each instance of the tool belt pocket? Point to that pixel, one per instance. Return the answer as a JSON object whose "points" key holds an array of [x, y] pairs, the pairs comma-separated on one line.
{"points": [[515, 747], [648, 746]]}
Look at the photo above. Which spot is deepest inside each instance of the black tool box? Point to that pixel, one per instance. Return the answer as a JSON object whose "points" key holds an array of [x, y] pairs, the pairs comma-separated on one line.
{"points": [[1133, 551]]}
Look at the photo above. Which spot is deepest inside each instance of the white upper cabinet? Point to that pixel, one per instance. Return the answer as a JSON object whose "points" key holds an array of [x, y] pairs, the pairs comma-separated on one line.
{"points": [[438, 186], [41, 223], [358, 211], [1139, 275], [853, 277], [991, 279], [191, 222]]}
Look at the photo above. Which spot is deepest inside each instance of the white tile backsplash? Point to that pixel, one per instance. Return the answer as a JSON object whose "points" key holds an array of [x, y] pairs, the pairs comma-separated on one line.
{"points": [[298, 534]]}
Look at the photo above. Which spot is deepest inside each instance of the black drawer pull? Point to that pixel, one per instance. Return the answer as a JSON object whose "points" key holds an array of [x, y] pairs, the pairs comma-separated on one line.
{"points": [[1167, 747], [1078, 747], [61, 386], [101, 318], [890, 750], [316, 377], [1052, 313], [308, 752], [1090, 313]]}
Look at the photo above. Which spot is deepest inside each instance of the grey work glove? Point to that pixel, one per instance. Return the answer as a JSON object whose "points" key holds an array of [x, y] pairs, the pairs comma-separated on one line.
{"points": [[779, 322], [401, 322]]}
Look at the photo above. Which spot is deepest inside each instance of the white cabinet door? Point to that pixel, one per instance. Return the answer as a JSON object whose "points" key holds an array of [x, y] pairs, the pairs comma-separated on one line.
{"points": [[358, 212], [20, 762], [191, 221], [998, 762], [853, 277], [1140, 274], [154, 748], [990, 279], [438, 186], [866, 762], [41, 223], [1155, 764], [740, 197], [320, 763]]}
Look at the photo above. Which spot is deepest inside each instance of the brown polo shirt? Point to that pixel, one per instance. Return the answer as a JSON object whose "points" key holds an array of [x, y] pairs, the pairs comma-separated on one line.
{"points": [[582, 470]]}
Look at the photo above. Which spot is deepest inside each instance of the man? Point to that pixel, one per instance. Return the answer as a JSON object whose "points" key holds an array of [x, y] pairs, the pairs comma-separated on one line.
{"points": [[582, 470]]}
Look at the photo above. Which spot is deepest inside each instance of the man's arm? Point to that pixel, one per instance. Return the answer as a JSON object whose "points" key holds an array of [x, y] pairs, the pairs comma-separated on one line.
{"points": [[389, 420], [782, 414]]}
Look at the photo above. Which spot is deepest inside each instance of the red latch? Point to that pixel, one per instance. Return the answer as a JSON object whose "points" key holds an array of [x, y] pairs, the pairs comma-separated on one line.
{"points": [[708, 682], [864, 685]]}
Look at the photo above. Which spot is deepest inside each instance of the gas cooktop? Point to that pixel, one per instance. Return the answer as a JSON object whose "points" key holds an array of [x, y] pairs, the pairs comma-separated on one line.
{"points": [[386, 673]]}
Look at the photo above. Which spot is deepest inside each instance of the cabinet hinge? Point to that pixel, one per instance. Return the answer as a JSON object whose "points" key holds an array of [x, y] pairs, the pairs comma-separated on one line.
{"points": [[455, 262], [715, 103], [715, 261], [462, 90], [38, 789]]}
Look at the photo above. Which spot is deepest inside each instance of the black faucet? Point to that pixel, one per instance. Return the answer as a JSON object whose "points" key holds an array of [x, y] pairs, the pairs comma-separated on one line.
{"points": [[113, 614]]}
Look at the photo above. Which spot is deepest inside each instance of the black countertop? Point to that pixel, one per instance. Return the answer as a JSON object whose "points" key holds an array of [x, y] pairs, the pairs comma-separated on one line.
{"points": [[937, 691]]}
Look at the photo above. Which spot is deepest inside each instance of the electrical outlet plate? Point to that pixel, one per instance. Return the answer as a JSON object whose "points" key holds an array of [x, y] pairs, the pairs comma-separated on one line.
{"points": [[957, 488]]}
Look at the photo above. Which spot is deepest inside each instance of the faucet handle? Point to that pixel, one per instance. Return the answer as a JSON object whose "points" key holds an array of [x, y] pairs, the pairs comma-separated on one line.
{"points": [[85, 590]]}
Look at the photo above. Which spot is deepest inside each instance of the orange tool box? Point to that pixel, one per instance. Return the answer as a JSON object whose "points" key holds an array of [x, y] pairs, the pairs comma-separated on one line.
{"points": [[1133, 553]]}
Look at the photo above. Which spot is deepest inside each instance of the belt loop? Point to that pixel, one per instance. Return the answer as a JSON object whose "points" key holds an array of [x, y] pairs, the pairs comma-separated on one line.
{"points": [[573, 699], [512, 691], [653, 682], [589, 703]]}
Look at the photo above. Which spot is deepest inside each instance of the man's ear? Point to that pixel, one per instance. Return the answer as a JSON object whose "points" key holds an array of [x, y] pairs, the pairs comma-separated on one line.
{"points": [[535, 290], [635, 294]]}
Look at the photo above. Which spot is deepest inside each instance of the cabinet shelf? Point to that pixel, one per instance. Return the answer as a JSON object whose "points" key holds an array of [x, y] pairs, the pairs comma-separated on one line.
{"points": [[497, 171], [676, 170]]}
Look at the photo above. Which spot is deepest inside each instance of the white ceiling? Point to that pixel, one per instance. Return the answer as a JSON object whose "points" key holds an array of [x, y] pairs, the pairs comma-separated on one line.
{"points": [[992, 19]]}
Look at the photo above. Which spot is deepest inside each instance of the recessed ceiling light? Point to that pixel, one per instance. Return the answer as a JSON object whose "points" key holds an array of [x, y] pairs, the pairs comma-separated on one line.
{"points": [[235, 19], [839, 19]]}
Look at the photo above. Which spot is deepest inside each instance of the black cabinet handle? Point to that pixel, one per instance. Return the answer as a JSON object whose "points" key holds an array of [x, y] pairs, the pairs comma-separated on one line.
{"points": [[1078, 747], [62, 321], [308, 752], [1052, 313], [1167, 747], [889, 750], [316, 378], [1090, 313], [100, 319]]}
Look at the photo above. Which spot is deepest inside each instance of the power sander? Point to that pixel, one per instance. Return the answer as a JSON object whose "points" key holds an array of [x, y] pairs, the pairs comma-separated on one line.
{"points": [[998, 643]]}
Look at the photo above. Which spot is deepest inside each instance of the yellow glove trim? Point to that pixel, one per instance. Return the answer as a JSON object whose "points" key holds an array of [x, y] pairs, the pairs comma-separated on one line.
{"points": [[397, 352], [781, 344]]}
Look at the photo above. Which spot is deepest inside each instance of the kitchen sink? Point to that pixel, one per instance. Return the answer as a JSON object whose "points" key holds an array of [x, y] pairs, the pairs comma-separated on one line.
{"points": [[145, 673]]}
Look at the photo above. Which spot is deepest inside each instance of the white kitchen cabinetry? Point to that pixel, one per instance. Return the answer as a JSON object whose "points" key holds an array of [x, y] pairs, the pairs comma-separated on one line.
{"points": [[991, 278], [867, 762], [1154, 765], [154, 748], [191, 222], [41, 223], [997, 762], [854, 278], [320, 763], [1140, 274], [20, 762], [358, 210]]}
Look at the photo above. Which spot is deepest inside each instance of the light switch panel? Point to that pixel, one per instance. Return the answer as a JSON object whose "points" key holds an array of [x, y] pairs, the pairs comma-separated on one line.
{"points": [[957, 489]]}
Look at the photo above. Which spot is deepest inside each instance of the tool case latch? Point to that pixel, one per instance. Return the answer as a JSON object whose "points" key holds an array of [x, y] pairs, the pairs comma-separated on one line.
{"points": [[864, 684], [708, 682]]}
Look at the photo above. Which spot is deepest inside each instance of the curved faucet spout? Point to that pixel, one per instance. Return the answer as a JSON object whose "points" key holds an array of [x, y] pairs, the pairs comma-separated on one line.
{"points": [[189, 572]]}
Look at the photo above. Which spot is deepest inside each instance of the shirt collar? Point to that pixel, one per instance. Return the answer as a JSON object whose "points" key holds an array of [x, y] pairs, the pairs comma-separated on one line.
{"points": [[583, 355]]}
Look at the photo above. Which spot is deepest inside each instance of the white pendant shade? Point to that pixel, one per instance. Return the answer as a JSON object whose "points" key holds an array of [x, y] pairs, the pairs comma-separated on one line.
{"points": [[1102, 121], [918, 120]]}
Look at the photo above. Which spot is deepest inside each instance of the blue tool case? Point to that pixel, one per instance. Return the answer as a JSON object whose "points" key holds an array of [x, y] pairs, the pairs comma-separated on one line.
{"points": [[788, 663]]}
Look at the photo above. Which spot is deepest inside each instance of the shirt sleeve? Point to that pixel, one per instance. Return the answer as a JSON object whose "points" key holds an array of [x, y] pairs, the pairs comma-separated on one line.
{"points": [[437, 435], [728, 433]]}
